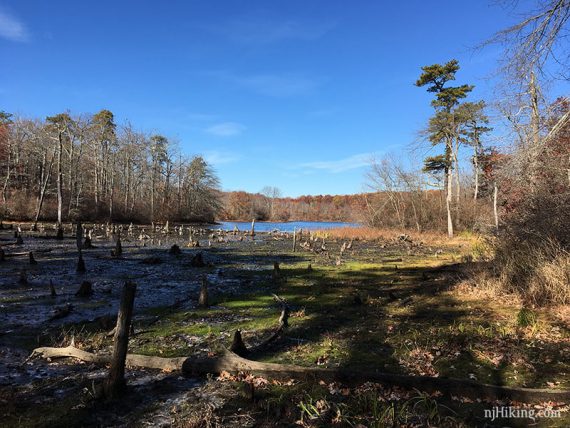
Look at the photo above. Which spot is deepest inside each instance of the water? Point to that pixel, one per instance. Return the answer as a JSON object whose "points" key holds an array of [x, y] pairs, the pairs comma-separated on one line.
{"points": [[268, 226]]}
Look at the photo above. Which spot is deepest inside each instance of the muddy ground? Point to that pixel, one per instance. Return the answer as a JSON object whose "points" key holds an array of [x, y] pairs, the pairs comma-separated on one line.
{"points": [[384, 305]]}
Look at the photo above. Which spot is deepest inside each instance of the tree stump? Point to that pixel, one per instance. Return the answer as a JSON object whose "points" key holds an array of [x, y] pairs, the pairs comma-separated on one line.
{"points": [[294, 239], [238, 347], [59, 235], [87, 243], [19, 240], [85, 289], [23, 279], [174, 250], [203, 299], [52, 289], [32, 260], [118, 251], [80, 264], [197, 260], [276, 274], [115, 383], [79, 236], [284, 318]]}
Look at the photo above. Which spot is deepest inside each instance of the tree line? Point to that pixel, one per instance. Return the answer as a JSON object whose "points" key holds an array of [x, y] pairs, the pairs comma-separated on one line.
{"points": [[269, 205], [67, 167]]}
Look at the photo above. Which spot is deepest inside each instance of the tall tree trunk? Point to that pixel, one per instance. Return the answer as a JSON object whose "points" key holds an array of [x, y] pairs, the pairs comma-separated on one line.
{"points": [[43, 191], [449, 187], [535, 114], [152, 198], [535, 130], [96, 181], [7, 181], [457, 176], [476, 167], [59, 179], [112, 189], [495, 211]]}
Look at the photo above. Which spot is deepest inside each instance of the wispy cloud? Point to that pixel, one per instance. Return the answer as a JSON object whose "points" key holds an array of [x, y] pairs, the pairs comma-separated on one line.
{"points": [[341, 165], [216, 158], [226, 129], [263, 29], [11, 28], [279, 85]]}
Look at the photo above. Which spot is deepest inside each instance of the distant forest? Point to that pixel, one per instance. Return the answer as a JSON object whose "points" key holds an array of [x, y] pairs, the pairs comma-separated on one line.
{"points": [[268, 206]]}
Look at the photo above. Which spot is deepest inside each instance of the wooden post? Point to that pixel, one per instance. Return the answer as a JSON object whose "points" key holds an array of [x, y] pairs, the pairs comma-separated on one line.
{"points": [[115, 384], [253, 228], [294, 239]]}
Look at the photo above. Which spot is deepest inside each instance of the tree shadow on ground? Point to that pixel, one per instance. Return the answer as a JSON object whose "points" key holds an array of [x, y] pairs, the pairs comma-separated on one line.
{"points": [[382, 318]]}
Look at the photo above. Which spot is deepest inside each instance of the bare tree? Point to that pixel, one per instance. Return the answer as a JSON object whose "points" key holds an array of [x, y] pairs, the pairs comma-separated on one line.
{"points": [[272, 194]]}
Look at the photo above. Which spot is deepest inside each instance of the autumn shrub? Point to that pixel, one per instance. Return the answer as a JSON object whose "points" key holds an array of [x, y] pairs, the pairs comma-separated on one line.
{"points": [[532, 250]]}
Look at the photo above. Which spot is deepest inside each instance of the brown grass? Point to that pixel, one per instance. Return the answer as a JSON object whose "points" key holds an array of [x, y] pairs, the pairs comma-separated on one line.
{"points": [[375, 234], [537, 274]]}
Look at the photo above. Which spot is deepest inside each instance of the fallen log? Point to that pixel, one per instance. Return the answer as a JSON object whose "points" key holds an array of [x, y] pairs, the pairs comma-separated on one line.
{"points": [[132, 360], [231, 362]]}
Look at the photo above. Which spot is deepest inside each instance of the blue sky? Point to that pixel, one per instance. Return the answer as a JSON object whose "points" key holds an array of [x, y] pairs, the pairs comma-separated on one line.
{"points": [[296, 94]]}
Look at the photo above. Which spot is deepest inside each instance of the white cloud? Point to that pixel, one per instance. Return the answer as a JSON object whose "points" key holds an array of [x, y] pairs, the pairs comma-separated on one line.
{"points": [[216, 158], [11, 28], [341, 165], [226, 129]]}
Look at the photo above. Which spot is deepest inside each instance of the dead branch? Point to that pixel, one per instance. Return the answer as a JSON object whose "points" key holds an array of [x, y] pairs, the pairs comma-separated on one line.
{"points": [[231, 362]]}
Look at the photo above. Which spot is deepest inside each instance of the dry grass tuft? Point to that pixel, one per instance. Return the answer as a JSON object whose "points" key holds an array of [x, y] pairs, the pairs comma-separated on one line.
{"points": [[537, 274]]}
